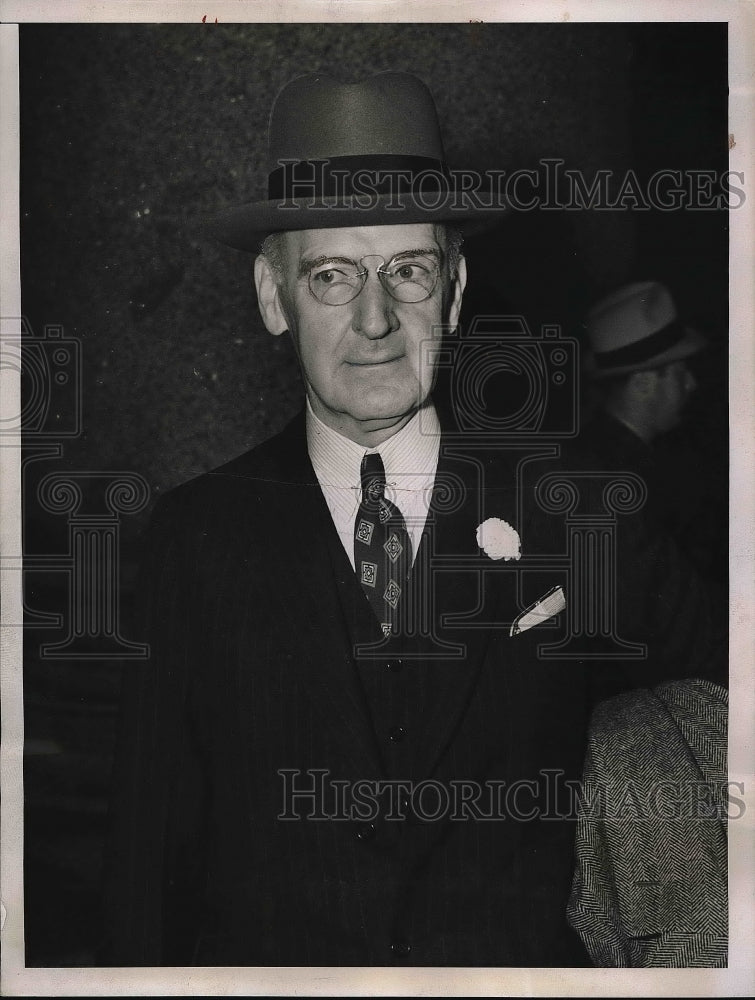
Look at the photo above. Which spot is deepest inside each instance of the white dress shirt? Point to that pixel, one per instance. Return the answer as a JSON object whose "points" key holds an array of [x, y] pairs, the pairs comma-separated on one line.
{"points": [[410, 459]]}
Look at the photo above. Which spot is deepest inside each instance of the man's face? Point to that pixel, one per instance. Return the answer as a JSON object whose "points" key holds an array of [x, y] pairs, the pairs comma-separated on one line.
{"points": [[365, 363], [675, 385]]}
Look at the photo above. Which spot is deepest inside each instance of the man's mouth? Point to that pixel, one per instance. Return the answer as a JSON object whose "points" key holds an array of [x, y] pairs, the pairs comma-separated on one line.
{"points": [[374, 362]]}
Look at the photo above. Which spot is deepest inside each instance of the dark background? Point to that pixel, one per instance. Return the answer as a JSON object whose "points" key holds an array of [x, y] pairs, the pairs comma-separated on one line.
{"points": [[131, 134]]}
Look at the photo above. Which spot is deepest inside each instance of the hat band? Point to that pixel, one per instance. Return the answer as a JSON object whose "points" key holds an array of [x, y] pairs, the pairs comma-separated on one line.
{"points": [[641, 350], [349, 176]]}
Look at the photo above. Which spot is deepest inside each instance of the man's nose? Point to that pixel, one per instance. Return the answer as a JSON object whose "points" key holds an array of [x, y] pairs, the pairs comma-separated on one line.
{"points": [[374, 312], [690, 381]]}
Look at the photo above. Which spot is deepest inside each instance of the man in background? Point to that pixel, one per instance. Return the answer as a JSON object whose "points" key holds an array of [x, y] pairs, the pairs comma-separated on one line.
{"points": [[642, 379]]}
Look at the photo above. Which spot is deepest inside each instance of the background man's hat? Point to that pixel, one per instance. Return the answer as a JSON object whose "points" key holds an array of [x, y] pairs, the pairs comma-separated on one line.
{"points": [[359, 154], [637, 328]]}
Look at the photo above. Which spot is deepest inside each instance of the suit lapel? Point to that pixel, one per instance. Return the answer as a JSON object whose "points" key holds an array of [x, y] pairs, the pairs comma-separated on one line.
{"points": [[463, 596], [319, 634]]}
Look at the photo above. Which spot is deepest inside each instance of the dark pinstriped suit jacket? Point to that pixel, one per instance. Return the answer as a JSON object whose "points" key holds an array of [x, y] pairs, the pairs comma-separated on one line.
{"points": [[252, 611]]}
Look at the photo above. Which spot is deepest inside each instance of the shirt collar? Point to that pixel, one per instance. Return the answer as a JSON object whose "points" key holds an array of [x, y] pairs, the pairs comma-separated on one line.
{"points": [[409, 456]]}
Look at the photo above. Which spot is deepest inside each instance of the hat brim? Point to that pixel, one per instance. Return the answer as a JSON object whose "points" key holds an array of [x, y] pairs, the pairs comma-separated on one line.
{"points": [[691, 343], [245, 227]]}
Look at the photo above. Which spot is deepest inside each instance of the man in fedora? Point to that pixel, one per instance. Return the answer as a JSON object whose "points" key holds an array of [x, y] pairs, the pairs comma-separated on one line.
{"points": [[345, 748], [639, 367]]}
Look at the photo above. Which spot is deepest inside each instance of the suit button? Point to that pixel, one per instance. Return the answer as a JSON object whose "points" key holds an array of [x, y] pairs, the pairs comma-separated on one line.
{"points": [[394, 666], [396, 734], [365, 831], [401, 949]]}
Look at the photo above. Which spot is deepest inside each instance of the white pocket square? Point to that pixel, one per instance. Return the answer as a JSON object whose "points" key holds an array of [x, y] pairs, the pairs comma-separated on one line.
{"points": [[539, 612]]}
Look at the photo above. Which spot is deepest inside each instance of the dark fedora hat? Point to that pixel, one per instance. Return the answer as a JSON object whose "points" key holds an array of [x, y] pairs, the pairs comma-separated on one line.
{"points": [[353, 154]]}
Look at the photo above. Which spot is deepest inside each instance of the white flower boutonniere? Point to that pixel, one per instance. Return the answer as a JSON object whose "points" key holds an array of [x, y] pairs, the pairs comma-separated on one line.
{"points": [[498, 539]]}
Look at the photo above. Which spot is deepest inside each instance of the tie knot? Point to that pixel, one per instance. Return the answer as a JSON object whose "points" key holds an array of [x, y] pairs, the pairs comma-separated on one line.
{"points": [[373, 478]]}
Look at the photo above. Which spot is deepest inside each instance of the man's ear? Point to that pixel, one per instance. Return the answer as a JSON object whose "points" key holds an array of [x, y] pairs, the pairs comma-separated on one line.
{"points": [[268, 296], [457, 291]]}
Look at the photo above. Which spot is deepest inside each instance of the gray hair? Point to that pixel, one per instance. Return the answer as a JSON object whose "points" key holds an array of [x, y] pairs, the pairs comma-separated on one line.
{"points": [[273, 249]]}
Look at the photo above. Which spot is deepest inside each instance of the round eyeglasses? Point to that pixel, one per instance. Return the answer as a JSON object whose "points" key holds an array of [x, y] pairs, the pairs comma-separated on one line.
{"points": [[407, 277]]}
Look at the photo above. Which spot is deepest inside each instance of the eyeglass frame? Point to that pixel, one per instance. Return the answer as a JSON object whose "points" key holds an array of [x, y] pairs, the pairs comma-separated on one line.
{"points": [[380, 271]]}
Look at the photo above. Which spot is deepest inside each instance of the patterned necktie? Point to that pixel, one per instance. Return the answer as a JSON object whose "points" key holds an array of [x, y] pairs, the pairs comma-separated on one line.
{"points": [[382, 547]]}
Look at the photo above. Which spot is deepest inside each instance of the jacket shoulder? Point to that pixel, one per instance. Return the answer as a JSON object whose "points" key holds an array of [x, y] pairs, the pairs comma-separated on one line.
{"points": [[684, 722], [239, 492], [279, 460]]}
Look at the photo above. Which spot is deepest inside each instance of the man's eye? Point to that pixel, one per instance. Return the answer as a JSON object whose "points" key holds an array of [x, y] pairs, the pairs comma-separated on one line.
{"points": [[326, 277], [410, 272], [332, 276]]}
